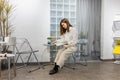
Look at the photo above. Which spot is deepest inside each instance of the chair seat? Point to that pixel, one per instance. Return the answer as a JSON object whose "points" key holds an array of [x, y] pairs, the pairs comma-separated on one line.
{"points": [[26, 52]]}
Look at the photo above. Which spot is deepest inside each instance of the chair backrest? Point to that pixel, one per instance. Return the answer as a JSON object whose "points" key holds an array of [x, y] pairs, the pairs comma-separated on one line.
{"points": [[22, 44], [24, 50], [10, 41], [10, 44]]}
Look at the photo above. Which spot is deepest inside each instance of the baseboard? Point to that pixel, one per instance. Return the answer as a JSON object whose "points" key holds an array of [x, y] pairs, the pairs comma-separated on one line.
{"points": [[107, 59], [33, 63]]}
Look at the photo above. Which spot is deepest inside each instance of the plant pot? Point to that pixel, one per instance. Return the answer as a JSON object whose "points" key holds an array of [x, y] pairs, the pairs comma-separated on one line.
{"points": [[9, 41]]}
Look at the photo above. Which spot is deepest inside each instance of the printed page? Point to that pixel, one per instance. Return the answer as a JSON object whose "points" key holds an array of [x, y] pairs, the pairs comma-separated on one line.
{"points": [[59, 44]]}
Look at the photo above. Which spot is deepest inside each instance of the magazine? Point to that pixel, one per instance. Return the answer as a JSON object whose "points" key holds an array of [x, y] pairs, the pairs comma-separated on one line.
{"points": [[59, 43]]}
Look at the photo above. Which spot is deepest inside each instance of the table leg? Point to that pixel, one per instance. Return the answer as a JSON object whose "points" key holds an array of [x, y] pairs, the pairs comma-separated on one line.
{"points": [[0, 68], [8, 68], [14, 67]]}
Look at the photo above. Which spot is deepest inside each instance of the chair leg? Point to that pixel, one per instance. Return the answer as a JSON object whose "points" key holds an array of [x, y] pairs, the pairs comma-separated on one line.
{"points": [[17, 58], [67, 66], [82, 56], [24, 65], [71, 67], [9, 76], [36, 60], [0, 68]]}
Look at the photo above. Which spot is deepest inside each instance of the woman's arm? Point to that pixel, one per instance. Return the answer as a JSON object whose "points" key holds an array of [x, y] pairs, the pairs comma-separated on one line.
{"points": [[74, 39]]}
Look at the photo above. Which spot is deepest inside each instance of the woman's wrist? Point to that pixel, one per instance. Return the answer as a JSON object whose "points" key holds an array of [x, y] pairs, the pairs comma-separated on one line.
{"points": [[65, 42]]}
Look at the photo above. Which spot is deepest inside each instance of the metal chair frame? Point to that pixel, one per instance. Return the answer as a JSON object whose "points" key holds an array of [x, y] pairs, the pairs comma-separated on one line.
{"points": [[20, 53], [81, 53]]}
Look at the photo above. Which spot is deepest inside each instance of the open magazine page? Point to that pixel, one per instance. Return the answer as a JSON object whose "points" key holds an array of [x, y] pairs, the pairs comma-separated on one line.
{"points": [[59, 43]]}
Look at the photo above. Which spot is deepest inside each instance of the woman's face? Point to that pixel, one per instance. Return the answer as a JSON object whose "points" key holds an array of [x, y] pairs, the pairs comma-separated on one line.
{"points": [[64, 25]]}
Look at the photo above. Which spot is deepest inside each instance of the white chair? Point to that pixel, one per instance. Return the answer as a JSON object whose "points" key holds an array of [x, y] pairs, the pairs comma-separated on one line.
{"points": [[10, 45]]}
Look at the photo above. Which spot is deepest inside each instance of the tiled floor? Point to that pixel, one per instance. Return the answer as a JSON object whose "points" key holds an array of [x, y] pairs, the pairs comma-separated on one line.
{"points": [[93, 71]]}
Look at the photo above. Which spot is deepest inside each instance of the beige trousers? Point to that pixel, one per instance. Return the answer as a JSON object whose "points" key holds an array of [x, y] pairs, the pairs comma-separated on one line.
{"points": [[63, 54]]}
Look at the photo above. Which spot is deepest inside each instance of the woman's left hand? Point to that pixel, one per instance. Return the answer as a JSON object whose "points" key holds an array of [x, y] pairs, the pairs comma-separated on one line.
{"points": [[65, 42]]}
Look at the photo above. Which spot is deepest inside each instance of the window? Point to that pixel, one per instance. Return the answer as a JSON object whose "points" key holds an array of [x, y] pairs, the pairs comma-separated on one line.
{"points": [[60, 9]]}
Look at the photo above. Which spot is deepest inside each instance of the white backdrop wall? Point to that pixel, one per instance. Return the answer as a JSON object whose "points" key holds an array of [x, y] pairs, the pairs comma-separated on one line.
{"points": [[31, 20], [110, 8]]}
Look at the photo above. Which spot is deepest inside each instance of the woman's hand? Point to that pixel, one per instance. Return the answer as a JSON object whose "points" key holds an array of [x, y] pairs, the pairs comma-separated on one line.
{"points": [[65, 42], [54, 41]]}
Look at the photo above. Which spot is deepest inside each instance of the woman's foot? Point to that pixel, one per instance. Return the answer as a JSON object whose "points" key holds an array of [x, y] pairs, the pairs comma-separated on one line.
{"points": [[54, 70]]}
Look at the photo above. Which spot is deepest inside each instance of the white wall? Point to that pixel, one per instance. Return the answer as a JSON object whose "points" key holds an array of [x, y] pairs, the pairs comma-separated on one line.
{"points": [[109, 9], [31, 20]]}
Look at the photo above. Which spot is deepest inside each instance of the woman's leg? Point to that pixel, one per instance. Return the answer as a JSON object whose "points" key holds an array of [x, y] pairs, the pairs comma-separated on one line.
{"points": [[58, 54], [64, 55], [55, 68]]}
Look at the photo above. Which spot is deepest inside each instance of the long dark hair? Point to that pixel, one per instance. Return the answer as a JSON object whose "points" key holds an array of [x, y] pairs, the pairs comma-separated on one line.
{"points": [[62, 30]]}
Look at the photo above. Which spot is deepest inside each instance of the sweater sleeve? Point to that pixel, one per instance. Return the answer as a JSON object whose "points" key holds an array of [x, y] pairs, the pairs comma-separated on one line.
{"points": [[74, 38]]}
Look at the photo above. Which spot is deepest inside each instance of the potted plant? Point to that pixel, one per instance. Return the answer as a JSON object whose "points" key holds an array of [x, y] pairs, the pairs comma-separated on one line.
{"points": [[6, 27], [49, 40]]}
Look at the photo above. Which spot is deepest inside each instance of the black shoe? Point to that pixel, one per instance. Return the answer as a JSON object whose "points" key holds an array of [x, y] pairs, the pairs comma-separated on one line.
{"points": [[53, 71]]}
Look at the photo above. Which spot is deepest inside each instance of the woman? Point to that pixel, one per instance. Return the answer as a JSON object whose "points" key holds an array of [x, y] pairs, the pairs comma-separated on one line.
{"points": [[69, 38]]}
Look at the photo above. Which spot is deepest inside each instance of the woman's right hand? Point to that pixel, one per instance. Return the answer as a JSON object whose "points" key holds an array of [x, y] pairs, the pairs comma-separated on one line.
{"points": [[65, 42], [53, 41]]}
